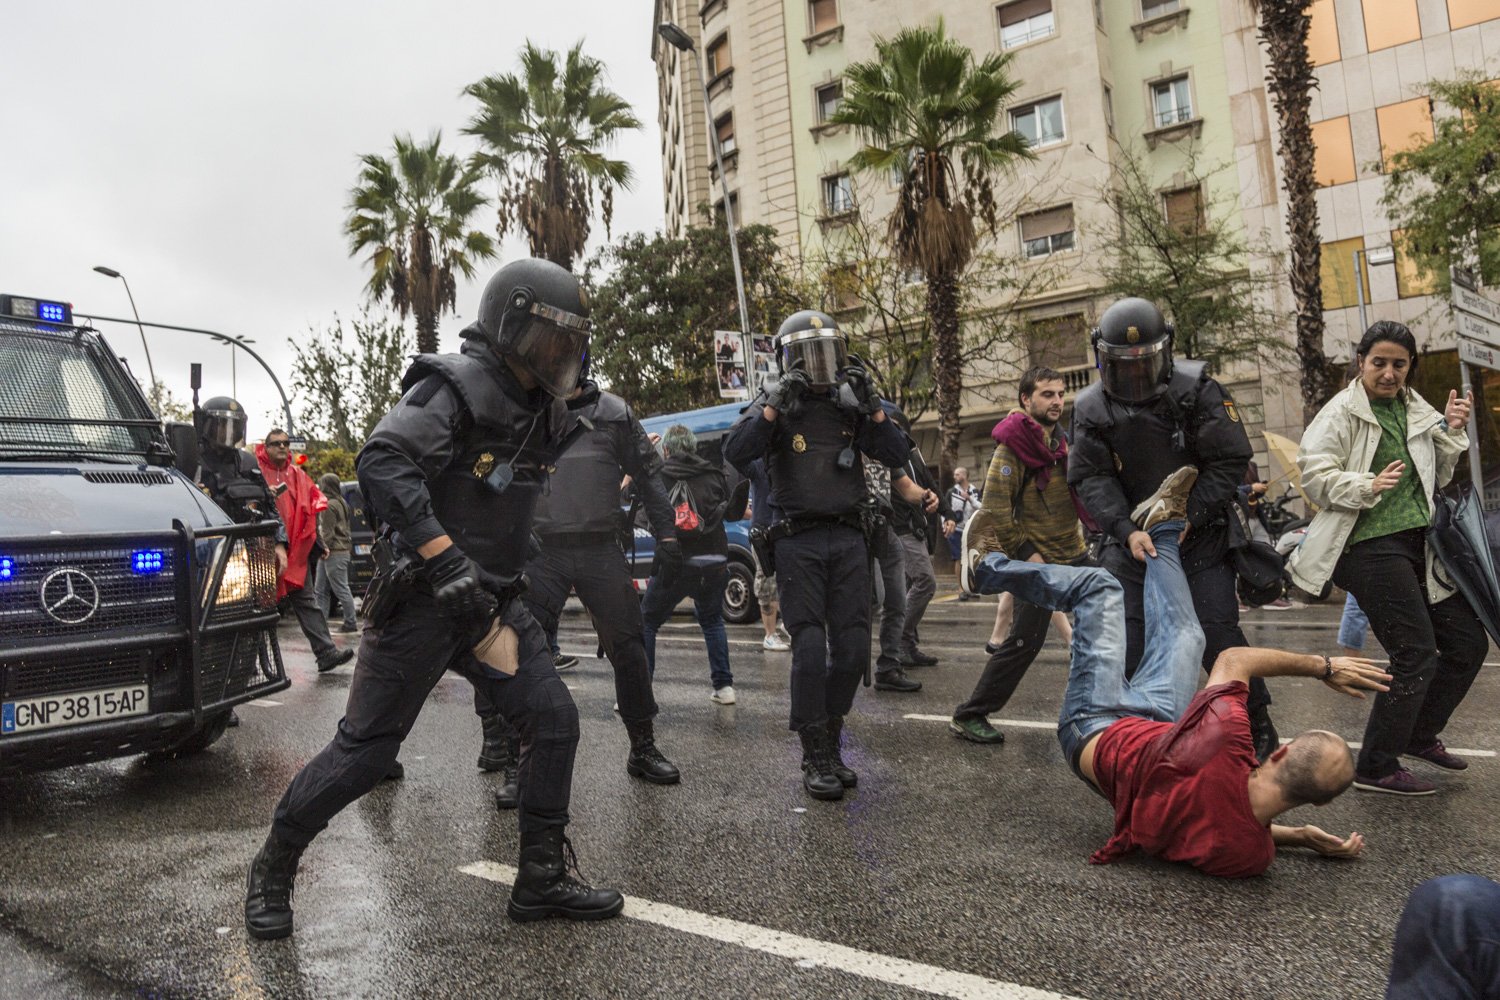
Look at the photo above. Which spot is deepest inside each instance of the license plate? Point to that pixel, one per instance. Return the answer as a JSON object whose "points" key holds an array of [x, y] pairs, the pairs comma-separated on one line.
{"points": [[52, 711], [361, 550]]}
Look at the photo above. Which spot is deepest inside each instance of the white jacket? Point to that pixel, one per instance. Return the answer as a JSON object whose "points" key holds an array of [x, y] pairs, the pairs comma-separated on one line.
{"points": [[1337, 451]]}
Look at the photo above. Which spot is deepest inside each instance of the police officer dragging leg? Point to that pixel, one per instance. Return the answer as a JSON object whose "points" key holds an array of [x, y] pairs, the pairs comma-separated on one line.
{"points": [[454, 472], [1148, 416], [815, 426], [582, 529]]}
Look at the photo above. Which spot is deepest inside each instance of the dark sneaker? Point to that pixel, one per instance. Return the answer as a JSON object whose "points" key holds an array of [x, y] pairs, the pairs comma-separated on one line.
{"points": [[975, 731], [991, 648], [337, 658], [914, 657], [976, 543], [1439, 755], [896, 680], [1169, 502], [1403, 782], [563, 661], [396, 773]]}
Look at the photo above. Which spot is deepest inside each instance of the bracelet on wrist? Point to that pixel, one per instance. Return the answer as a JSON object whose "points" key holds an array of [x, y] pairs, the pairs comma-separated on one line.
{"points": [[1327, 668]]}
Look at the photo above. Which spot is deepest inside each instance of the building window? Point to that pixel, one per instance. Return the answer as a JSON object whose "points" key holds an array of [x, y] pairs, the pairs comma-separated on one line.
{"points": [[828, 97], [1025, 21], [1333, 155], [822, 15], [724, 128], [1411, 280], [1183, 209], [1058, 342], [843, 288], [1391, 22], [838, 195], [734, 206], [1171, 102], [1403, 127], [1041, 124], [1336, 268], [1323, 33], [1045, 233], [1462, 13], [1109, 111], [1156, 8], [718, 60]]}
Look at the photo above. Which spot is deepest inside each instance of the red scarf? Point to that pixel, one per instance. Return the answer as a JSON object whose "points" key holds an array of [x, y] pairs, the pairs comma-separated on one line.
{"points": [[1024, 436], [299, 505]]}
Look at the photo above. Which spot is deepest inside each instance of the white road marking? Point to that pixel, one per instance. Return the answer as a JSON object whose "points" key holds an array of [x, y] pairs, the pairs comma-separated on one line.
{"points": [[806, 952], [263, 703], [1052, 726]]}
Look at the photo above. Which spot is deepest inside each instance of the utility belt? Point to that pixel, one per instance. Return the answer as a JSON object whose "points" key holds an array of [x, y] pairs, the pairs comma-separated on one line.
{"points": [[868, 521], [397, 575]]}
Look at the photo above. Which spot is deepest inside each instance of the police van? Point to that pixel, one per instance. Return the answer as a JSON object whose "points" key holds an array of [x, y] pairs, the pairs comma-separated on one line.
{"points": [[134, 614]]}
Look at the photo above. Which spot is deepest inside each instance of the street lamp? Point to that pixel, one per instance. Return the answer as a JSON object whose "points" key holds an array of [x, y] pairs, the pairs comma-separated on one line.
{"points": [[1372, 256], [110, 272], [679, 39], [234, 378]]}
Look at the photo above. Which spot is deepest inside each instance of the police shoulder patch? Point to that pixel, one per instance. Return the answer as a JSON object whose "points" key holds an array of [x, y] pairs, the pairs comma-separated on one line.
{"points": [[1231, 411]]}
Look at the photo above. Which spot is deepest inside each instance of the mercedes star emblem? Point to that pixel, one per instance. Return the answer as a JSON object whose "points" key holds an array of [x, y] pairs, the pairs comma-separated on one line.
{"points": [[70, 596]]}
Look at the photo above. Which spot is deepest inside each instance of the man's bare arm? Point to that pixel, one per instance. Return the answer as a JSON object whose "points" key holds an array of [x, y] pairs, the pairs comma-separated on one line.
{"points": [[1316, 839], [1349, 675]]}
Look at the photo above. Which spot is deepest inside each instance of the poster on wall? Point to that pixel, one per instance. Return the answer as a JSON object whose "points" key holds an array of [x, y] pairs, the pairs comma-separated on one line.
{"points": [[730, 364]]}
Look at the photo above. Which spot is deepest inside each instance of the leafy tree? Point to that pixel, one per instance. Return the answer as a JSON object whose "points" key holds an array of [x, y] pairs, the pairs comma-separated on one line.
{"points": [[1290, 79], [347, 380], [412, 213], [545, 132], [1191, 259], [1446, 194], [167, 406], [925, 106], [323, 457], [657, 301]]}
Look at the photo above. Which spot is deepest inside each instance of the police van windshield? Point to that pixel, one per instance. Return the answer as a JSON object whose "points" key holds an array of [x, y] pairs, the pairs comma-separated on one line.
{"points": [[62, 395]]}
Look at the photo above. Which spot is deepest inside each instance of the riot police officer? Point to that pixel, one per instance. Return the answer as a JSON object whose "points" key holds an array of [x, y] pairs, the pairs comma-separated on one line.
{"points": [[454, 472], [812, 425], [579, 523], [1148, 415], [229, 474]]}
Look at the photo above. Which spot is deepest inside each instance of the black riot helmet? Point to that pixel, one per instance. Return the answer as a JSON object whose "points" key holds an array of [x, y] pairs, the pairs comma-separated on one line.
{"points": [[534, 313], [811, 340], [221, 424], [1133, 349]]}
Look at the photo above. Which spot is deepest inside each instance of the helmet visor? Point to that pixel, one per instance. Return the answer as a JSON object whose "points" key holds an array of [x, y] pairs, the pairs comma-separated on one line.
{"points": [[1133, 374], [223, 428], [553, 345], [819, 353]]}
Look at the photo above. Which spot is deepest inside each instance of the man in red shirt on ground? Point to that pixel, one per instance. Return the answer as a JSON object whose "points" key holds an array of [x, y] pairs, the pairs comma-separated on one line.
{"points": [[1178, 764]]}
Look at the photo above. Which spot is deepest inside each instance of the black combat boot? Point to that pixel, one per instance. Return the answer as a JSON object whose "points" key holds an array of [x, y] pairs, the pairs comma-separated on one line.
{"points": [[817, 766], [846, 776], [645, 761], [494, 753], [268, 892], [508, 796], [548, 883]]}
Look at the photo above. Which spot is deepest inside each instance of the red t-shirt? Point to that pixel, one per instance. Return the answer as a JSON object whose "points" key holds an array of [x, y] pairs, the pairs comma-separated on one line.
{"points": [[1180, 790]]}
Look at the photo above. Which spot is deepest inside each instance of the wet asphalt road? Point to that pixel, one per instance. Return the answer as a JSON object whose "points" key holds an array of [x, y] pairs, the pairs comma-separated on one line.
{"points": [[125, 879]]}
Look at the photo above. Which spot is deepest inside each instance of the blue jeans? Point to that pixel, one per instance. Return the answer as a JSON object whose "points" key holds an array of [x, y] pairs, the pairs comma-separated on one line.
{"points": [[1098, 695], [706, 588], [1448, 942], [1354, 626]]}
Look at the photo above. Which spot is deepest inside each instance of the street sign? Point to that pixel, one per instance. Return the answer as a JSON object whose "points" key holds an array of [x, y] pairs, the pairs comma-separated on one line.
{"points": [[1475, 304], [1483, 355], [296, 443], [1478, 328]]}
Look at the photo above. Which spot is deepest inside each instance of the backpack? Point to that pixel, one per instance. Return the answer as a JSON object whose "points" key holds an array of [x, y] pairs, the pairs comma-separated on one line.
{"points": [[685, 509]]}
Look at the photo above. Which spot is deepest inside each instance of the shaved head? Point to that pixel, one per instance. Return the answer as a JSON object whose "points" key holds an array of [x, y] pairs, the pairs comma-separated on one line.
{"points": [[1315, 768]]}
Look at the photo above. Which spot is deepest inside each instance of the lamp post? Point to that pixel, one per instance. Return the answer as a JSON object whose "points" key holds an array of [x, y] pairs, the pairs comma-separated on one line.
{"points": [[234, 378], [1374, 255], [110, 272], [679, 39]]}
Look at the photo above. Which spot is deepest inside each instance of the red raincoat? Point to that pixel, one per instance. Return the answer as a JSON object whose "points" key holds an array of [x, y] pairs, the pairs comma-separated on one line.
{"points": [[299, 505]]}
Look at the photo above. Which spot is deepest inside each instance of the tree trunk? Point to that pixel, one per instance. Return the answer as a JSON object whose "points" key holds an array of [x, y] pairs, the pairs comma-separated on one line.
{"points": [[1283, 29], [427, 338], [947, 370]]}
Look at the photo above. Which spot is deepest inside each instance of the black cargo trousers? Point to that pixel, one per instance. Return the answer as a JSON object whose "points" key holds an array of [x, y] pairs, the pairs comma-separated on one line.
{"points": [[823, 575], [399, 663]]}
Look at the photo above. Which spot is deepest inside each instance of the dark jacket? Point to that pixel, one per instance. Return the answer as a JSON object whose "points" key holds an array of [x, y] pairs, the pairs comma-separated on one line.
{"points": [[710, 492]]}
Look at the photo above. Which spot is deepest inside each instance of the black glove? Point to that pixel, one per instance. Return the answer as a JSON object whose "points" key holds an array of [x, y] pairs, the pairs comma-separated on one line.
{"points": [[668, 552], [782, 394], [862, 388], [456, 583]]}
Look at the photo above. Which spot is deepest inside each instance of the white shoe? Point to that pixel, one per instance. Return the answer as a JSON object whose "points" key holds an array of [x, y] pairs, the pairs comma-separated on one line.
{"points": [[969, 554], [723, 695], [775, 644], [1169, 502]]}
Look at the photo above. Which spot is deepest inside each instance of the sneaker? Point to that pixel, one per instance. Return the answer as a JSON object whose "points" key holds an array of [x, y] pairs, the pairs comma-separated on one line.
{"points": [[975, 730], [1280, 604], [895, 679], [1169, 502], [562, 661], [1438, 754], [914, 657], [336, 658], [1403, 782], [723, 695], [977, 528], [775, 644], [783, 634]]}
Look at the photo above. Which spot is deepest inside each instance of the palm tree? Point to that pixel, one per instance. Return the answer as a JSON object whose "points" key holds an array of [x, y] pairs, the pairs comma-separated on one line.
{"points": [[1283, 31], [924, 106], [545, 131], [412, 212]]}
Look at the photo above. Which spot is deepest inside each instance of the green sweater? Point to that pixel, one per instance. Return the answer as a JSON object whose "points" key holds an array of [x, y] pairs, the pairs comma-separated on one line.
{"points": [[1404, 507]]}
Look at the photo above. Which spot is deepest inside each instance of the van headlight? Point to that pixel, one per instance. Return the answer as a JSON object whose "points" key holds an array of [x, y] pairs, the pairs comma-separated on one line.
{"points": [[235, 585]]}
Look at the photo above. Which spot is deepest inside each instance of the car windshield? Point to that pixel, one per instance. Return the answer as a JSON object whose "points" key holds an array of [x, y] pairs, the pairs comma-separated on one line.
{"points": [[61, 394]]}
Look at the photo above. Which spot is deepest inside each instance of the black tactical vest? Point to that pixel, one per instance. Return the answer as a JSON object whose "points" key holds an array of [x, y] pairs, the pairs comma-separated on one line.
{"points": [[803, 460], [1148, 440], [234, 481], [492, 525], [584, 495]]}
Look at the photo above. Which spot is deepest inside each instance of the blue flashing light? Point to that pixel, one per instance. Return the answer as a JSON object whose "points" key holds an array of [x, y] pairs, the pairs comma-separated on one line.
{"points": [[7, 567], [52, 312], [143, 561]]}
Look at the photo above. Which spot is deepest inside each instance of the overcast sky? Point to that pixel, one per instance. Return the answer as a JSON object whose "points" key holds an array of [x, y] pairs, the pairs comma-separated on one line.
{"points": [[206, 150]]}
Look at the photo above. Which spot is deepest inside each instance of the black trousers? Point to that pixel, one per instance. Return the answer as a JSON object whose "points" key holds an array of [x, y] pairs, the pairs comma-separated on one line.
{"points": [[1211, 579], [398, 666], [823, 575], [890, 557], [1436, 650], [1005, 668]]}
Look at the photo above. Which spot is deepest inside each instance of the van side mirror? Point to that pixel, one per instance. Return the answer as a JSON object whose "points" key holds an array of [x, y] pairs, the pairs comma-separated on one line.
{"points": [[184, 441]]}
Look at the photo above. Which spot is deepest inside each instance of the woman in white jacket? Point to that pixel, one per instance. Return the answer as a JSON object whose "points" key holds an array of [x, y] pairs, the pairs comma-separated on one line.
{"points": [[1371, 460]]}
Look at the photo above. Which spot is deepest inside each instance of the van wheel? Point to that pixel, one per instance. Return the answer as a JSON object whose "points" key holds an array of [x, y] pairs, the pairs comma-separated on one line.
{"points": [[740, 606], [199, 739]]}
